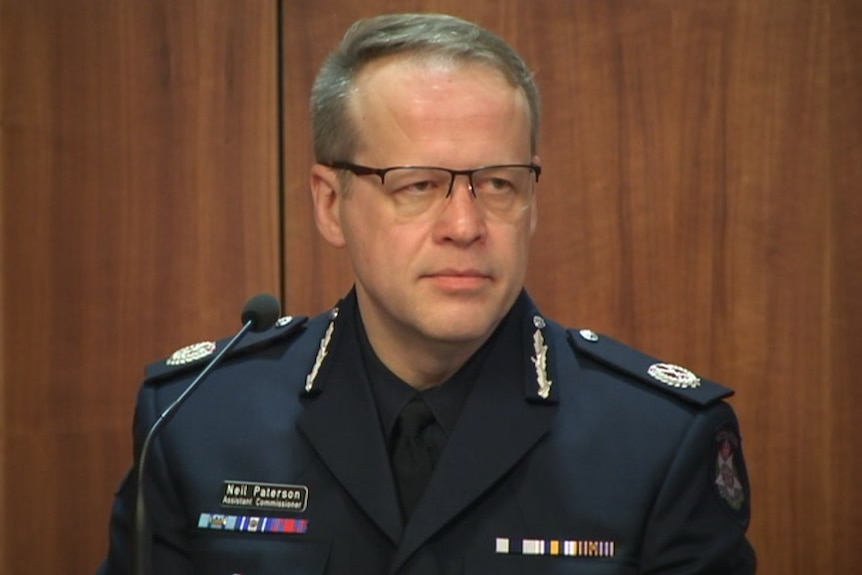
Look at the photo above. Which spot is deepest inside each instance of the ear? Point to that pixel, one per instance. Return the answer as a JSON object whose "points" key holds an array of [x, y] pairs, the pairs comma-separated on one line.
{"points": [[326, 194], [534, 209]]}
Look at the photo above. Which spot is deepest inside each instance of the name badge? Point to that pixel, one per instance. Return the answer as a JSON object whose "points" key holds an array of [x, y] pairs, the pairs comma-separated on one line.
{"points": [[272, 496]]}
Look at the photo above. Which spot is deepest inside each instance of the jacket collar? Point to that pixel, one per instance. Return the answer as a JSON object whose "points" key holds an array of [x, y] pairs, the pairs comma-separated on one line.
{"points": [[508, 411]]}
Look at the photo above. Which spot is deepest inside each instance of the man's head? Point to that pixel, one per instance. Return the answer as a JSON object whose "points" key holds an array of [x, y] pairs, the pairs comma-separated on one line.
{"points": [[439, 253], [418, 36]]}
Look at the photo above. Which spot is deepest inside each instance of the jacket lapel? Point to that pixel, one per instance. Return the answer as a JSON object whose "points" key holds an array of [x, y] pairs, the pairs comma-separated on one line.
{"points": [[495, 430], [342, 425], [497, 427]]}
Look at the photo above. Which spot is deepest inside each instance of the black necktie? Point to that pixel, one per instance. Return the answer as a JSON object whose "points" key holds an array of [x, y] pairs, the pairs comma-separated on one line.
{"points": [[415, 448]]}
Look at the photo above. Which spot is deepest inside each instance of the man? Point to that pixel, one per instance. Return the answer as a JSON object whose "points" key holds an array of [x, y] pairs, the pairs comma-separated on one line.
{"points": [[435, 421]]}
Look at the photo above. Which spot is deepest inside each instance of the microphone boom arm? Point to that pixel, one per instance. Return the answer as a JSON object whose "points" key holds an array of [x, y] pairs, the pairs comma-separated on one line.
{"points": [[142, 542]]}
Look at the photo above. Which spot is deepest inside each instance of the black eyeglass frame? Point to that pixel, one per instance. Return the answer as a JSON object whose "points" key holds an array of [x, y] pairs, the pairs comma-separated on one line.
{"points": [[360, 170]]}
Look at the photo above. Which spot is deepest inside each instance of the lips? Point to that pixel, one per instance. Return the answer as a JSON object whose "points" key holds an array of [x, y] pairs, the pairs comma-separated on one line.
{"points": [[466, 273], [456, 279]]}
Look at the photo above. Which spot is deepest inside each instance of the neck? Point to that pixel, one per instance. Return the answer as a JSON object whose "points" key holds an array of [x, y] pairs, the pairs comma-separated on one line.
{"points": [[422, 366], [417, 360]]}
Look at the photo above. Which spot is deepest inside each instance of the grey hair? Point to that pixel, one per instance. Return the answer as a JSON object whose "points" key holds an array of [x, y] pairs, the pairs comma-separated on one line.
{"points": [[419, 35]]}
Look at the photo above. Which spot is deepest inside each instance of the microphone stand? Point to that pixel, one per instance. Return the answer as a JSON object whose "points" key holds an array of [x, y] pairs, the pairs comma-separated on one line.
{"points": [[141, 541]]}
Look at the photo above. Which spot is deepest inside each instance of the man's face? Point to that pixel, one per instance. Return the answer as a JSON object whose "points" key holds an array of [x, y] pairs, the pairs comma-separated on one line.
{"points": [[449, 275]]}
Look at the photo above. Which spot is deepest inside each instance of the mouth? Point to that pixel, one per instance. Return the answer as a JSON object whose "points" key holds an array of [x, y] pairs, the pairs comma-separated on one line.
{"points": [[458, 280]]}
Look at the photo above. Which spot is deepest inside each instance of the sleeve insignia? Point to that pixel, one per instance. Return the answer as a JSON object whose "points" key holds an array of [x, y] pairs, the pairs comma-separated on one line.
{"points": [[727, 475]]}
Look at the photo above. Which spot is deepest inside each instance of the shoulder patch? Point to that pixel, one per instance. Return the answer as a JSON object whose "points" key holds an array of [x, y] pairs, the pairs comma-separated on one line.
{"points": [[731, 479], [198, 353], [667, 377]]}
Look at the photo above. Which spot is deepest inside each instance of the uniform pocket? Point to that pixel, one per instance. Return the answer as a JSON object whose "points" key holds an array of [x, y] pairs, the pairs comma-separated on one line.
{"points": [[504, 564], [259, 554]]}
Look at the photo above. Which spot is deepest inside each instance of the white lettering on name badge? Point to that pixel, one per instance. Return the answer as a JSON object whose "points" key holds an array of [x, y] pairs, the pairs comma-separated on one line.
{"points": [[273, 496]]}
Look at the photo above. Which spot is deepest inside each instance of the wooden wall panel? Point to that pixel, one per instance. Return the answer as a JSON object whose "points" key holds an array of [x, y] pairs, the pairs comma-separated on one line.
{"points": [[700, 200], [139, 209], [845, 319]]}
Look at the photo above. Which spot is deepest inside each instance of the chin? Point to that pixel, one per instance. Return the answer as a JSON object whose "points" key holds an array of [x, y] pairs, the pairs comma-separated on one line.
{"points": [[460, 328], [470, 318]]}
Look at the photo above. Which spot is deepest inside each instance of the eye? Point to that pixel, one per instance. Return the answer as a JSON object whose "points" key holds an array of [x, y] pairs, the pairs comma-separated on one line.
{"points": [[501, 184], [417, 181], [494, 184], [419, 187]]}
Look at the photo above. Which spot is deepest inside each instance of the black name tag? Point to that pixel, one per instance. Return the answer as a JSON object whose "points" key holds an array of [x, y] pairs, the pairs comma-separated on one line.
{"points": [[272, 496]]}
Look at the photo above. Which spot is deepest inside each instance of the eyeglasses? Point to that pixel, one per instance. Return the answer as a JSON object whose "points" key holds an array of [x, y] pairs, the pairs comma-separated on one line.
{"points": [[504, 190]]}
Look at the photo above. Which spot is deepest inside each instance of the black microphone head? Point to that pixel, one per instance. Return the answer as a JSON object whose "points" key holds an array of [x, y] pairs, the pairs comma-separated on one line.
{"points": [[262, 311]]}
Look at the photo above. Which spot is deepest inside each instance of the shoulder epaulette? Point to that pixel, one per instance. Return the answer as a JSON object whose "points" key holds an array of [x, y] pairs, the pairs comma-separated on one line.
{"points": [[666, 377], [199, 353]]}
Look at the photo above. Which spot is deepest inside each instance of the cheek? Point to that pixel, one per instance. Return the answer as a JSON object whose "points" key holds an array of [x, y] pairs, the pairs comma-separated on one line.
{"points": [[375, 242], [534, 218], [517, 249], [518, 236]]}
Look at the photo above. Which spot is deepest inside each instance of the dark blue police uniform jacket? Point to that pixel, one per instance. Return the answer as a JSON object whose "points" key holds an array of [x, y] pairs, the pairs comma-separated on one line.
{"points": [[572, 454]]}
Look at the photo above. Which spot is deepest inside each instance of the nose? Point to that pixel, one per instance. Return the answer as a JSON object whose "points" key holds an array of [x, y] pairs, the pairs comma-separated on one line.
{"points": [[462, 220]]}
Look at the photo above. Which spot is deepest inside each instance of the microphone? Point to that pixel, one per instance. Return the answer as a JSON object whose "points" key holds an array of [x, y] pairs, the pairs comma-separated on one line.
{"points": [[262, 311], [258, 314]]}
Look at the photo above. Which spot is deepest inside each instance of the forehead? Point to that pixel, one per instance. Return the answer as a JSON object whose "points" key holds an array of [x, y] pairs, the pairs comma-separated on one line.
{"points": [[409, 103]]}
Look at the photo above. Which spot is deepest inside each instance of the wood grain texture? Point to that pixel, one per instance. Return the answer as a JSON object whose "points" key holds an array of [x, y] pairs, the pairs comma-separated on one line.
{"points": [[139, 206], [845, 284], [700, 200]]}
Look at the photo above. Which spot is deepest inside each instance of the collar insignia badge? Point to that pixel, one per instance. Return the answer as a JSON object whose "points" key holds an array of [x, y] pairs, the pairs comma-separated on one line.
{"points": [[540, 360], [321, 352]]}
